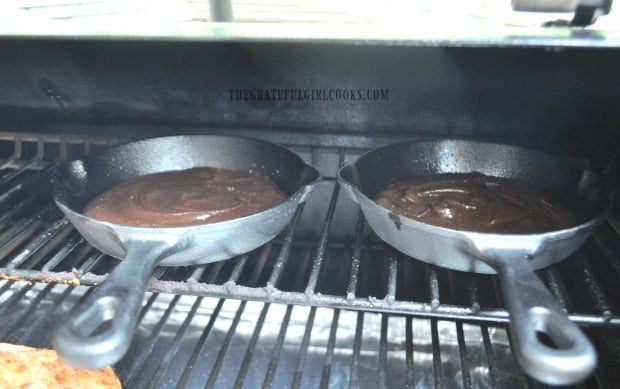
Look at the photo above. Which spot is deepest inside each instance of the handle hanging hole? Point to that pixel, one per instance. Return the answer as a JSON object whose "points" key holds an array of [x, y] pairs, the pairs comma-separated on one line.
{"points": [[549, 331], [545, 339], [97, 318], [102, 328]]}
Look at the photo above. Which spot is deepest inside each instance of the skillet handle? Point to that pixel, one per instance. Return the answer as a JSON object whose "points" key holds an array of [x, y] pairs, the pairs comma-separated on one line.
{"points": [[99, 331], [534, 314]]}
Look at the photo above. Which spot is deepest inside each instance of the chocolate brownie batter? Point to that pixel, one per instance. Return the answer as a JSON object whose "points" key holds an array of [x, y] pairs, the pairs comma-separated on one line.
{"points": [[187, 197], [475, 202]]}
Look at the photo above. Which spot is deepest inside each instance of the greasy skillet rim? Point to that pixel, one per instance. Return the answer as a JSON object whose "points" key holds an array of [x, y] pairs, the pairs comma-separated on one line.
{"points": [[221, 225], [592, 220]]}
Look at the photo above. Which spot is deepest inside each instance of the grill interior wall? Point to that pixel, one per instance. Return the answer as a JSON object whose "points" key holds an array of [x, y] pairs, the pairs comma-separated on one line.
{"points": [[558, 99]]}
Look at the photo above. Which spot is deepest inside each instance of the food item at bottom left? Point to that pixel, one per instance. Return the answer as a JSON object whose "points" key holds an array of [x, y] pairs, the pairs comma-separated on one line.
{"points": [[33, 368]]}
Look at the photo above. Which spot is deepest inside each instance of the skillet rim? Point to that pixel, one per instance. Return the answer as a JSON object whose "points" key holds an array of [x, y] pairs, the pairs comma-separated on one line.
{"points": [[594, 217], [59, 178]]}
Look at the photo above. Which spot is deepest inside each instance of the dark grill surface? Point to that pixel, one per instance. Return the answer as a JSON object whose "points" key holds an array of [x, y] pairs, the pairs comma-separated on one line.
{"points": [[325, 304]]}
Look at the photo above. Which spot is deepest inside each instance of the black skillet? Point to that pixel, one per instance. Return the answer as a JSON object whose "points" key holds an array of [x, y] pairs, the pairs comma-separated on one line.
{"points": [[513, 256], [80, 340]]}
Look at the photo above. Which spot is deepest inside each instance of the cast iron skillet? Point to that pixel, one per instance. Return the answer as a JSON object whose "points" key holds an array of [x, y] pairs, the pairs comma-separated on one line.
{"points": [[532, 308], [81, 340]]}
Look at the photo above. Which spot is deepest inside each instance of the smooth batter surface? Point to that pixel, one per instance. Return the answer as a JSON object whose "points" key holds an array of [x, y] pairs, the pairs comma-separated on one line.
{"points": [[475, 202], [187, 197]]}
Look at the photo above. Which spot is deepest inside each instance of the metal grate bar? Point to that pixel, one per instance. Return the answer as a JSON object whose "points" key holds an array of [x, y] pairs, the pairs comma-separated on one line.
{"points": [[553, 282], [285, 251], [320, 252], [54, 230], [329, 356], [15, 298], [444, 311], [66, 250], [357, 348], [18, 234], [215, 370], [39, 325], [88, 264], [277, 348], [472, 290], [199, 346], [383, 349], [6, 329], [305, 342], [50, 312], [81, 299], [7, 178], [146, 307], [601, 381], [215, 271], [26, 203], [176, 343], [9, 162], [27, 183], [522, 380], [303, 264], [40, 149], [409, 365], [17, 152], [160, 271], [5, 286], [463, 355], [197, 273], [249, 353], [18, 138], [437, 376], [600, 299], [497, 289], [260, 264], [433, 285], [488, 351], [391, 282], [147, 349], [355, 260], [236, 273], [603, 238]]}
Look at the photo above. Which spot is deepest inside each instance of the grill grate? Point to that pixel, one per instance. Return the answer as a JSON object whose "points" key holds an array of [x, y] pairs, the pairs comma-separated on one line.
{"points": [[305, 265], [325, 304], [188, 341]]}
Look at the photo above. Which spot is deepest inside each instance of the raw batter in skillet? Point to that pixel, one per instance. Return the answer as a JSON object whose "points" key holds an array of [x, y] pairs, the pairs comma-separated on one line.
{"points": [[187, 197], [475, 202]]}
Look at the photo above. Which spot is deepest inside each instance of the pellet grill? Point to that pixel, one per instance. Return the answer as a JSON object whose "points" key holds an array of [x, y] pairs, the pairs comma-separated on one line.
{"points": [[327, 303]]}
